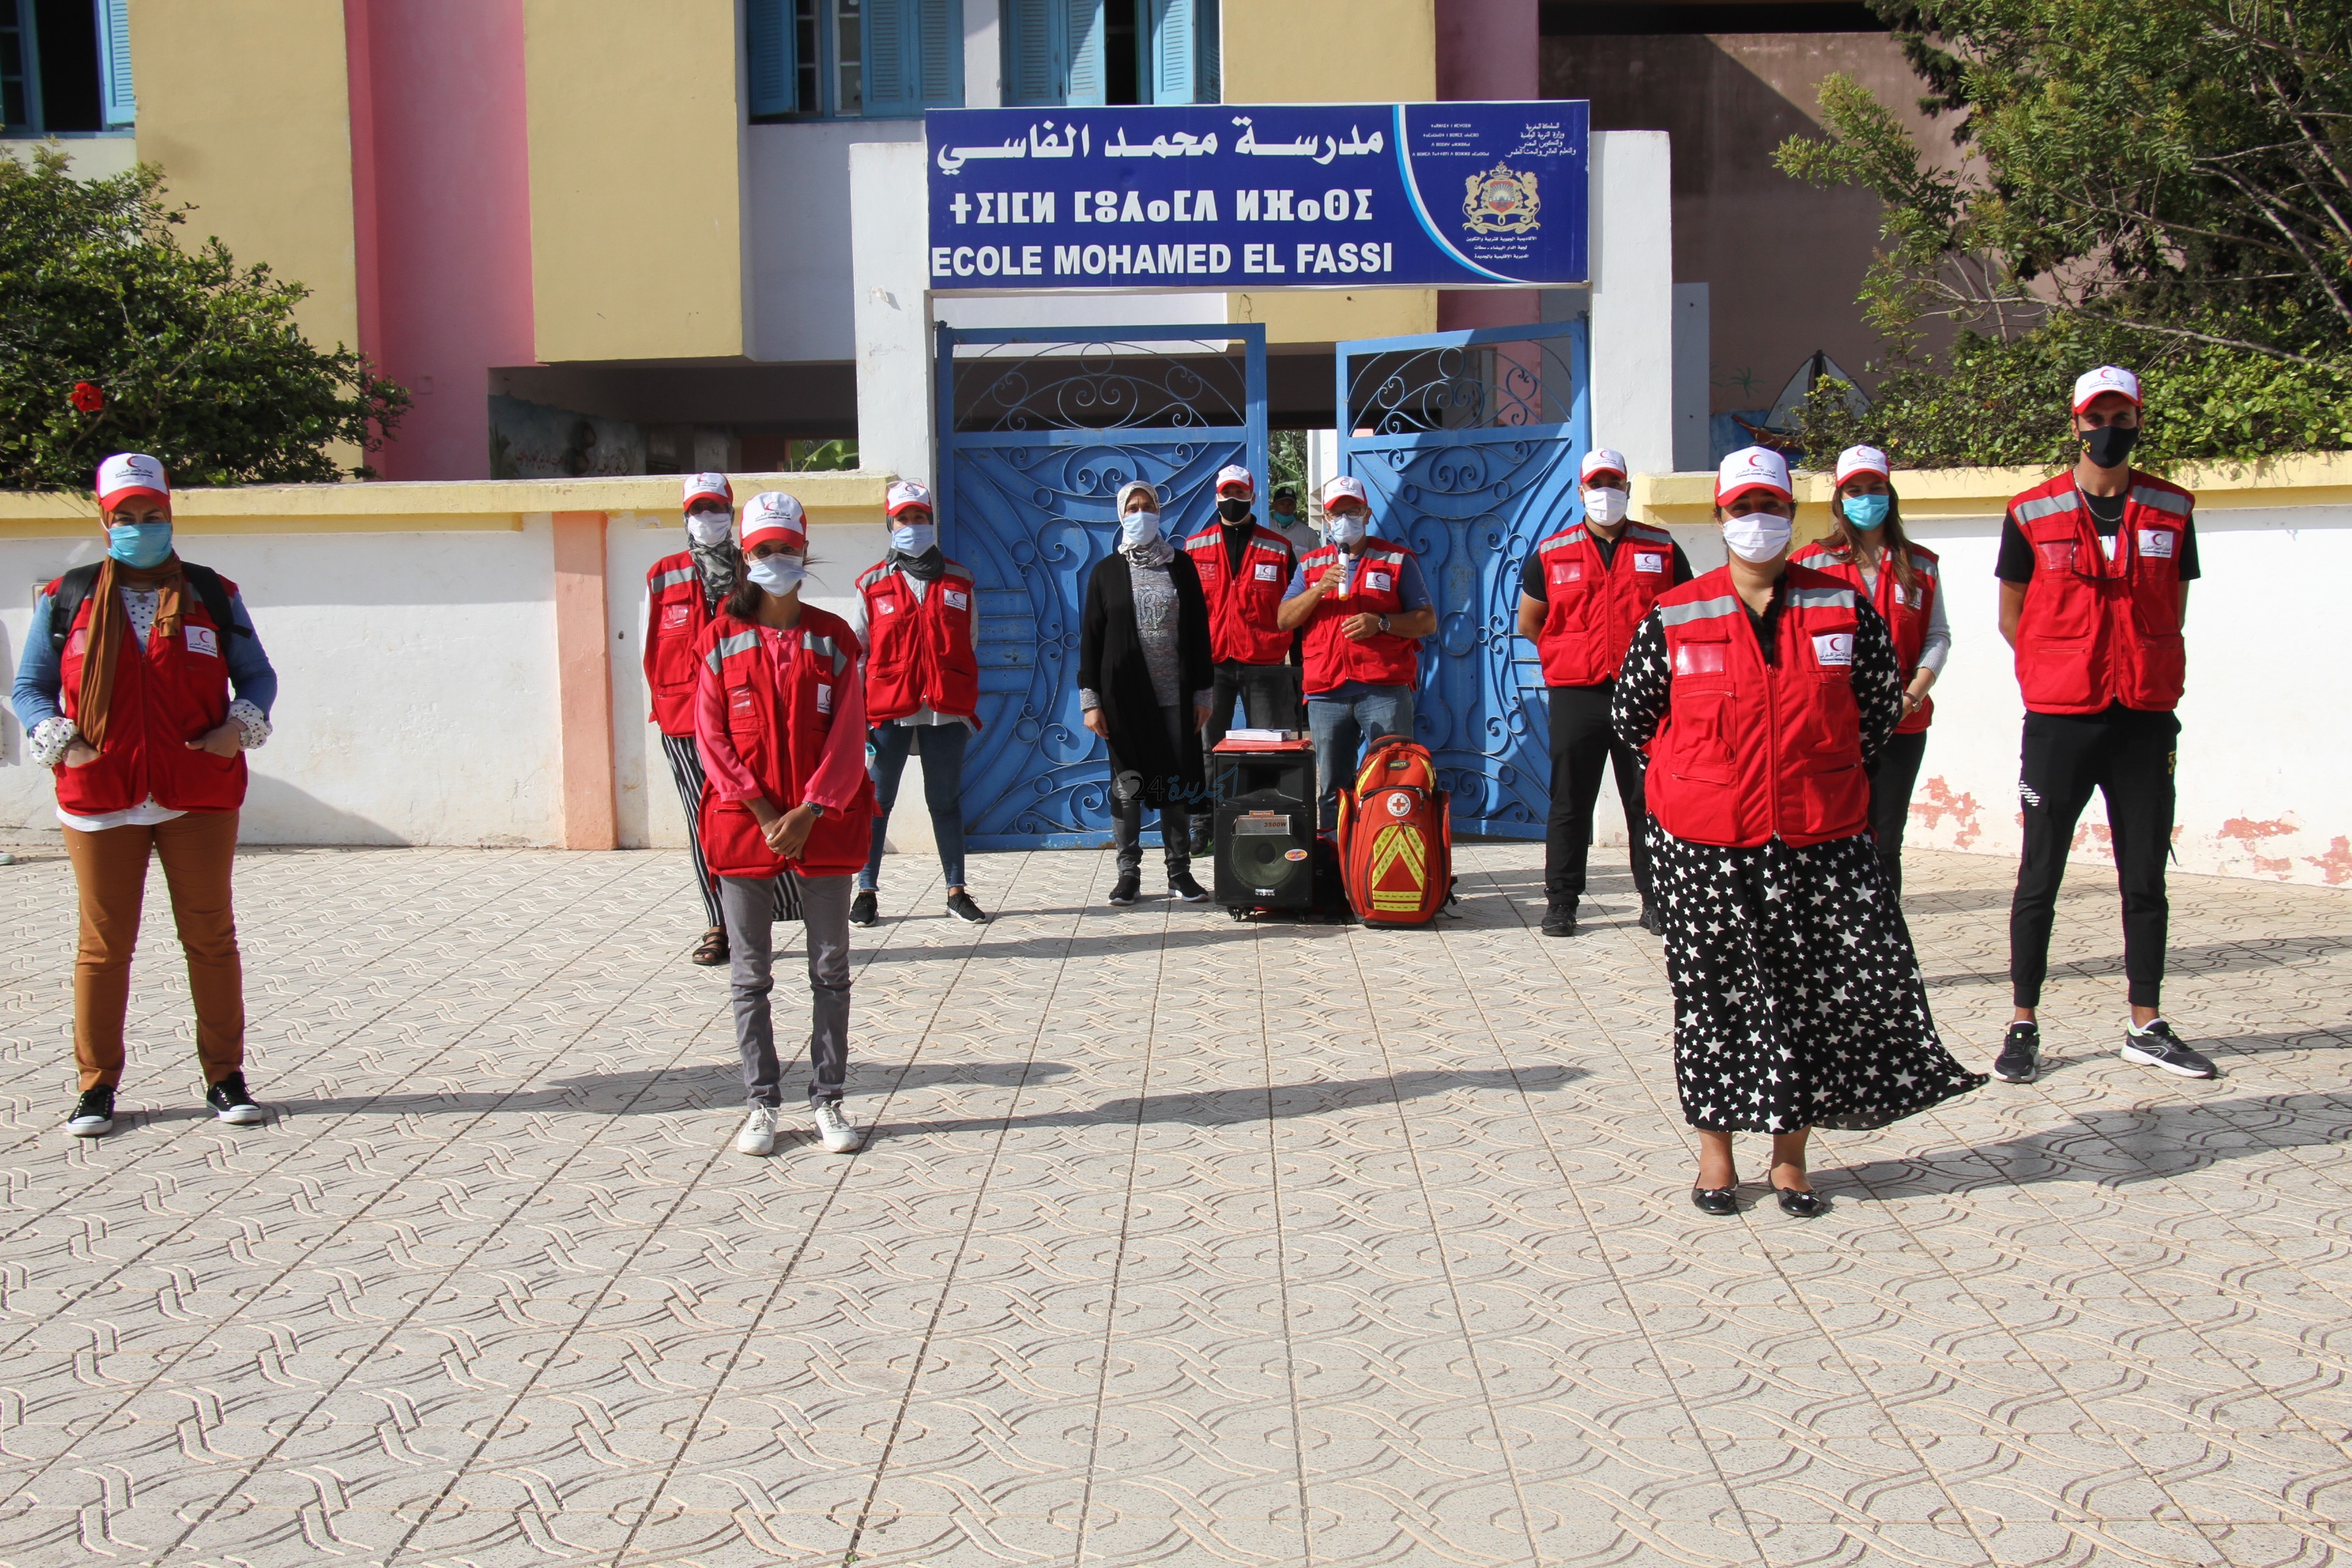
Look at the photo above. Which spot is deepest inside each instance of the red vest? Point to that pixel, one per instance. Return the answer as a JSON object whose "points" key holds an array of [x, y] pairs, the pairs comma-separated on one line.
{"points": [[1333, 658], [1750, 752], [921, 654], [164, 696], [778, 727], [1591, 611], [1905, 616], [1241, 609], [677, 616], [2096, 632]]}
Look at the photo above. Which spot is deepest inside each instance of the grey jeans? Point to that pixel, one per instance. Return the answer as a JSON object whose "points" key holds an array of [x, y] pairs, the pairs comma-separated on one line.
{"points": [[750, 906], [1127, 811]]}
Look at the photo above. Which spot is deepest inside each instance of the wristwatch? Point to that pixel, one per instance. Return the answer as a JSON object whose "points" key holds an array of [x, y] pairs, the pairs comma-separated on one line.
{"points": [[814, 808], [1384, 624]]}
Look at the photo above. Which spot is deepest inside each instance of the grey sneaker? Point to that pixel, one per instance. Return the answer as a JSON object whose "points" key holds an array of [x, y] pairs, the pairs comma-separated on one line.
{"points": [[2021, 1054], [833, 1128], [2156, 1045], [93, 1114]]}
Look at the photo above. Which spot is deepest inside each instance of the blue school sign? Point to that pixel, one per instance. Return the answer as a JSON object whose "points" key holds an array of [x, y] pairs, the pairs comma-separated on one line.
{"points": [[1268, 196]]}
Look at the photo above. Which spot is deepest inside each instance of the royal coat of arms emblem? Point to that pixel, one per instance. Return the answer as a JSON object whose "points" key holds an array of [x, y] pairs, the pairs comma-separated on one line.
{"points": [[1500, 201]]}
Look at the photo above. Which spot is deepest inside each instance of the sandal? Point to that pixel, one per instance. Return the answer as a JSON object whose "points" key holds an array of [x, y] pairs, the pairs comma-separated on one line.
{"points": [[712, 951]]}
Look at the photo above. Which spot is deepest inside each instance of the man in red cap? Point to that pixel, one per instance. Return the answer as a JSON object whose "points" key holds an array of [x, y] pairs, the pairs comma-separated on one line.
{"points": [[2094, 571], [1244, 569]]}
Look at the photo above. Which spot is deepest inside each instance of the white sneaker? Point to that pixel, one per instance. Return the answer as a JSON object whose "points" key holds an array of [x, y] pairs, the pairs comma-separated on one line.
{"points": [[759, 1134], [833, 1129]]}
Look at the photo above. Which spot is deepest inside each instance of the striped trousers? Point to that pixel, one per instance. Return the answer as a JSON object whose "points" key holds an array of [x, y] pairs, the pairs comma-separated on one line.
{"points": [[686, 769]]}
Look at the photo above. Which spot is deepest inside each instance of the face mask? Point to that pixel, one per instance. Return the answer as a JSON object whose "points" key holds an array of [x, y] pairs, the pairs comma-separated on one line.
{"points": [[1345, 528], [779, 574], [710, 527], [139, 544], [1605, 506], [1868, 512], [914, 538], [1757, 536], [1137, 527], [2110, 445], [1233, 509]]}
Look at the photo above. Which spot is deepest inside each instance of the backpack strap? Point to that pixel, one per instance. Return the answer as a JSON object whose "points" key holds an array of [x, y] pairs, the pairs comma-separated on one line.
{"points": [[74, 586], [215, 594]]}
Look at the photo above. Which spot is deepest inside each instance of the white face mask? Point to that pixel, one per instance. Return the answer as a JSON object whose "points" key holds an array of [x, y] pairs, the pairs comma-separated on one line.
{"points": [[710, 527], [779, 574], [1138, 526], [1756, 537], [1605, 506], [1344, 528], [914, 538]]}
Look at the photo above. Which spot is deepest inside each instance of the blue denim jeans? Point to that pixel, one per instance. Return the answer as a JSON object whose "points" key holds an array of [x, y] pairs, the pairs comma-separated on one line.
{"points": [[941, 746], [1342, 728]]}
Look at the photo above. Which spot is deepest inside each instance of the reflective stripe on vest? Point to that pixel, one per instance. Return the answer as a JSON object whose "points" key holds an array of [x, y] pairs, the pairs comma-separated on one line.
{"points": [[2097, 631]]}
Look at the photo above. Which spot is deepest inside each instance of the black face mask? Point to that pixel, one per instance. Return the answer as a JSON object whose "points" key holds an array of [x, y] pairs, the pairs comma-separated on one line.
{"points": [[1233, 509], [2110, 444]]}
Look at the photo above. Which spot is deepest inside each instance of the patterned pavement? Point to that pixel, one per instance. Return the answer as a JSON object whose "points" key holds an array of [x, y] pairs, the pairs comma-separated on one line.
{"points": [[1176, 1242]]}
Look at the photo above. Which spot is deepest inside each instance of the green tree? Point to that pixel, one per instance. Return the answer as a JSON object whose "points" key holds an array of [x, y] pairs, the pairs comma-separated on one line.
{"points": [[114, 338], [2163, 186]]}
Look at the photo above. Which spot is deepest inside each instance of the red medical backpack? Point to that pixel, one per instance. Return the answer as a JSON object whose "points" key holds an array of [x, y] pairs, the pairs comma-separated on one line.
{"points": [[1396, 844]]}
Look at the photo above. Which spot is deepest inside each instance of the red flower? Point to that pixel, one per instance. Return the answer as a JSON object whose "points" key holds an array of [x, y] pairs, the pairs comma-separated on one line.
{"points": [[88, 397]]}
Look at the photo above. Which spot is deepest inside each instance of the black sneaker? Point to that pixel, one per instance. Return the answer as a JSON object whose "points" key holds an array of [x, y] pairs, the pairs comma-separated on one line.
{"points": [[960, 904], [2021, 1054], [231, 1103], [1560, 918], [1203, 843], [1652, 919], [861, 908], [1182, 886], [2157, 1047], [93, 1114], [1129, 883]]}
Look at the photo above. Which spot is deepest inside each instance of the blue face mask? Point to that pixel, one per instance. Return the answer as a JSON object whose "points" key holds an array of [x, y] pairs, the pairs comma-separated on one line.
{"points": [[1868, 512], [139, 544]]}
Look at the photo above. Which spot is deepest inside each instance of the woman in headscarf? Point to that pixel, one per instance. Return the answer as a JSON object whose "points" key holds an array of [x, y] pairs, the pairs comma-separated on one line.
{"points": [[125, 691], [1760, 691], [1144, 678]]}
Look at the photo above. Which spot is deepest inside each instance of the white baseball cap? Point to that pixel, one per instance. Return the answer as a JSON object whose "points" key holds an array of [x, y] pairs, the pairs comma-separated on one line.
{"points": [[772, 514], [1752, 468], [128, 474], [1345, 485], [1862, 460], [2107, 378], [906, 493], [707, 487], [1602, 460], [1235, 474]]}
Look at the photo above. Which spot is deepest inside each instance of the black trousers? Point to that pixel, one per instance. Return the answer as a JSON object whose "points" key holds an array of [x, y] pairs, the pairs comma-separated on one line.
{"points": [[1583, 744], [2128, 756], [1891, 773]]}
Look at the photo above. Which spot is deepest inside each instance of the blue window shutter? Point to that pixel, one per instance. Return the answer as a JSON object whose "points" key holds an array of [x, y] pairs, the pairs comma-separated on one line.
{"points": [[1030, 76], [1083, 86], [1170, 41], [1209, 64], [890, 68], [940, 39], [120, 105], [772, 80]]}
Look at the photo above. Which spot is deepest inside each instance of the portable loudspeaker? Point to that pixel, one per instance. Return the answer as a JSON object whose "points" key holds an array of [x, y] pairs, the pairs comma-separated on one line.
{"points": [[1265, 828]]}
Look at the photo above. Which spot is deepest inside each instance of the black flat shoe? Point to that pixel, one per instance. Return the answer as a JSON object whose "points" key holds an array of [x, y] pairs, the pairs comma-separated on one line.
{"points": [[1804, 1205], [1716, 1200]]}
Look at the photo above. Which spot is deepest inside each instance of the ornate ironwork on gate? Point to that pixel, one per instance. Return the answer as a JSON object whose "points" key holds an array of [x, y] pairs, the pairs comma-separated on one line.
{"points": [[1468, 444], [1037, 431]]}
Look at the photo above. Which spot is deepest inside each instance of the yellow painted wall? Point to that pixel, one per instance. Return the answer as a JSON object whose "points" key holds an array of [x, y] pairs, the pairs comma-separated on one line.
{"points": [[635, 192], [246, 105], [1331, 51]]}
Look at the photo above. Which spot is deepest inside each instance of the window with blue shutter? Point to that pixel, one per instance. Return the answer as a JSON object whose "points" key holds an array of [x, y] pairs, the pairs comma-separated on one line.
{"points": [[1180, 60], [1053, 52], [774, 82], [852, 59], [116, 101]]}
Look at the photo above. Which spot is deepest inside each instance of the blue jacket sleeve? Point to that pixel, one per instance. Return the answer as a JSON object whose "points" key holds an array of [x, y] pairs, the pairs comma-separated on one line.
{"points": [[248, 666], [1412, 586], [35, 696]]}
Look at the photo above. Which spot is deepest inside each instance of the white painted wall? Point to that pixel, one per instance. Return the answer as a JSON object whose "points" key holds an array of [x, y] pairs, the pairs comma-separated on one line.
{"points": [[1630, 259], [797, 190]]}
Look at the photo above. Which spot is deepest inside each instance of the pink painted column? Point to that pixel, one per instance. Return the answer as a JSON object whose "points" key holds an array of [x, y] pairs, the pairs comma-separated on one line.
{"points": [[1488, 50], [441, 181], [584, 671]]}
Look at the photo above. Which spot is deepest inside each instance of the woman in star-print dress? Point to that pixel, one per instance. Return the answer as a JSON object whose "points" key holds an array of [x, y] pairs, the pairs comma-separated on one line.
{"points": [[1798, 1000]]}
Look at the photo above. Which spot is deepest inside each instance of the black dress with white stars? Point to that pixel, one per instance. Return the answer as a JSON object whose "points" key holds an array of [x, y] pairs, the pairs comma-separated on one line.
{"points": [[1798, 1000]]}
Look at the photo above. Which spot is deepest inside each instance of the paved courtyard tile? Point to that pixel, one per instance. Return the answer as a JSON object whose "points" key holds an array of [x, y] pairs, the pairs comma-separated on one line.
{"points": [[1174, 1241]]}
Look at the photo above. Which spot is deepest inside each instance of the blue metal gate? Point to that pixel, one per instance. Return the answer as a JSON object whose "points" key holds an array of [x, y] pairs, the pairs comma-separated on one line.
{"points": [[1037, 431], [1468, 443]]}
